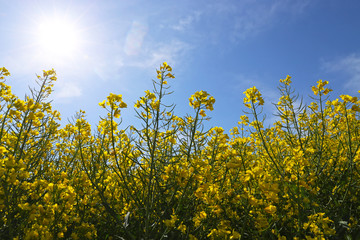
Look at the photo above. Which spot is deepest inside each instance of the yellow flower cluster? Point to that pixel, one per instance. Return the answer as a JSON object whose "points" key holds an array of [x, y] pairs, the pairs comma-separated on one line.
{"points": [[164, 73], [347, 98], [201, 100], [4, 73], [171, 177], [319, 226], [286, 81], [319, 89], [253, 96], [115, 102]]}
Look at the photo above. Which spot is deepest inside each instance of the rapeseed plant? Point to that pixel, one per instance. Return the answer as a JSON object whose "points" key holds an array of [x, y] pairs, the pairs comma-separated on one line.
{"points": [[171, 178]]}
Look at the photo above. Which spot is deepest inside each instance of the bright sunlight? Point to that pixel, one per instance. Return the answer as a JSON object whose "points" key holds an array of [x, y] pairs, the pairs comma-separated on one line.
{"points": [[58, 37]]}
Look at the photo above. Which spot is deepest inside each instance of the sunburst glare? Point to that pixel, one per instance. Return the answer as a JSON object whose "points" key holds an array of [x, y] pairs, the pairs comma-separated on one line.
{"points": [[57, 37]]}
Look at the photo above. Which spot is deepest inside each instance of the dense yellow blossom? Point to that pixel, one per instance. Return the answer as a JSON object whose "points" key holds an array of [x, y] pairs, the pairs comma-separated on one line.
{"points": [[171, 177]]}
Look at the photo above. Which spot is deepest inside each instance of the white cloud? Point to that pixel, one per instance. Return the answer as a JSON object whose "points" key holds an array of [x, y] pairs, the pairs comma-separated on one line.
{"points": [[187, 21], [348, 65], [67, 90], [171, 52], [108, 67]]}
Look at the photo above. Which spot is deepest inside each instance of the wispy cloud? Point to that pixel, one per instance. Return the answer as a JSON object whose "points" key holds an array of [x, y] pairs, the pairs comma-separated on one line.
{"points": [[249, 18], [172, 51], [67, 90], [187, 21], [108, 67], [214, 22], [348, 65]]}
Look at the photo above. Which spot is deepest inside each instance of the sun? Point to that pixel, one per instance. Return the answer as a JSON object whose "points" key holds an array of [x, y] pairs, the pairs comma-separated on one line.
{"points": [[57, 37]]}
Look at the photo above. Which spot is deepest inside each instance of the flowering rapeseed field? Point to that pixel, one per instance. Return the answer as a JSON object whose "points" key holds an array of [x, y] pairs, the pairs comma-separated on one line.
{"points": [[173, 179]]}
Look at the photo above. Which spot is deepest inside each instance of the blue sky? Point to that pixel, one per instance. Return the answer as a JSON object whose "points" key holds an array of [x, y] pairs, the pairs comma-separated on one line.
{"points": [[220, 46]]}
